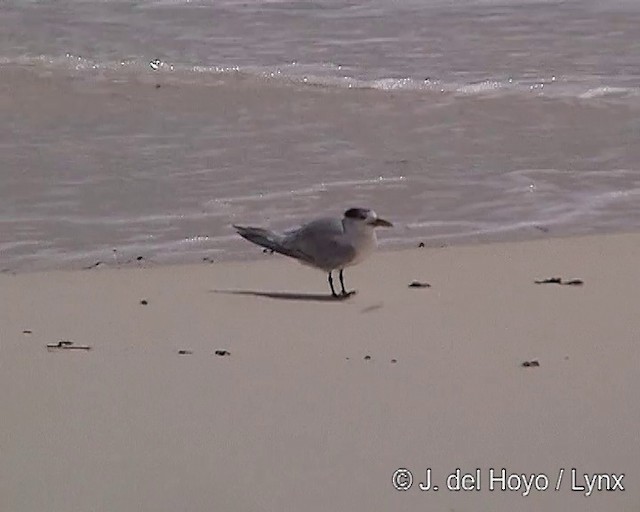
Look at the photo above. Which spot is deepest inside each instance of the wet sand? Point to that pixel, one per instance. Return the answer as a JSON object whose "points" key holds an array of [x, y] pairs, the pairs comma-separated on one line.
{"points": [[104, 161]]}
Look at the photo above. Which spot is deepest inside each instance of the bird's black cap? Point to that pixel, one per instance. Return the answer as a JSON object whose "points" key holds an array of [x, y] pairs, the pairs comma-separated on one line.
{"points": [[357, 213]]}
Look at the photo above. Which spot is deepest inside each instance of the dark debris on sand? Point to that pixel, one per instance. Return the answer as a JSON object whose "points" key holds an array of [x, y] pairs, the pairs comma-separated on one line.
{"points": [[66, 345], [419, 284], [534, 363], [558, 280], [222, 353], [369, 358]]}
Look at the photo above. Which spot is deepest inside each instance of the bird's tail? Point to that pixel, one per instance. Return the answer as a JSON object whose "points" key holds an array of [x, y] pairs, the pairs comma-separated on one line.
{"points": [[270, 240]]}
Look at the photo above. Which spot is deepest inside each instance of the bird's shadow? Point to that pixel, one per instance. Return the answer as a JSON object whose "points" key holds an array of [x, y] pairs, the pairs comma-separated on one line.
{"points": [[313, 297]]}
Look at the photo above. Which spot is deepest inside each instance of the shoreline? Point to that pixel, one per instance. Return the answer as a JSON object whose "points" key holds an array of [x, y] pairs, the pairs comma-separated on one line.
{"points": [[135, 260]]}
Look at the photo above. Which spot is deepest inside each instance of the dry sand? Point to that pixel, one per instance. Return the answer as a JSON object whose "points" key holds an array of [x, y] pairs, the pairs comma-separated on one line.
{"points": [[296, 418]]}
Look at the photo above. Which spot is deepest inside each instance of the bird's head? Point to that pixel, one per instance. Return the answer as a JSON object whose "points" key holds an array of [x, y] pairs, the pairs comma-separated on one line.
{"points": [[364, 217]]}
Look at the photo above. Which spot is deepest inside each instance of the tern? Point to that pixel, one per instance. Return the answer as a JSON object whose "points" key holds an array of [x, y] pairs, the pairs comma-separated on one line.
{"points": [[326, 243]]}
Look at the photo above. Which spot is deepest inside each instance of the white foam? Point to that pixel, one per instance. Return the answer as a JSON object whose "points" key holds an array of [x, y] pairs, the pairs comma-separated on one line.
{"points": [[599, 92]]}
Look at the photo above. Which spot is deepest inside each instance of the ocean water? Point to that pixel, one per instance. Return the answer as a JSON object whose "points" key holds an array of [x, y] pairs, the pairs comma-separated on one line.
{"points": [[146, 128]]}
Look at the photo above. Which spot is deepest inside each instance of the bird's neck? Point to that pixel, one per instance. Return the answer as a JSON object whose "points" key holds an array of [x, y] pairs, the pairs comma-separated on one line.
{"points": [[359, 230]]}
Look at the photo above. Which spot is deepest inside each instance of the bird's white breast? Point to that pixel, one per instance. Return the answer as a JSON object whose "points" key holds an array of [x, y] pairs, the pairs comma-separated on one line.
{"points": [[365, 243]]}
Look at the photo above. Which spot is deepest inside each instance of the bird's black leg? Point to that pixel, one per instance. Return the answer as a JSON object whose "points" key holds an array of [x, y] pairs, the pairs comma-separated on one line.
{"points": [[345, 293], [333, 292]]}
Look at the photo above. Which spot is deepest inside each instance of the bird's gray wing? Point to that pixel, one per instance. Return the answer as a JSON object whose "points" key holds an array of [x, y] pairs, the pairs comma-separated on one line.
{"points": [[272, 241], [327, 225], [323, 241]]}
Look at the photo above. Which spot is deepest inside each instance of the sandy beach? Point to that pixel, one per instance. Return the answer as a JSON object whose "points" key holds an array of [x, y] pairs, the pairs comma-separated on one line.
{"points": [[153, 360], [312, 404]]}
